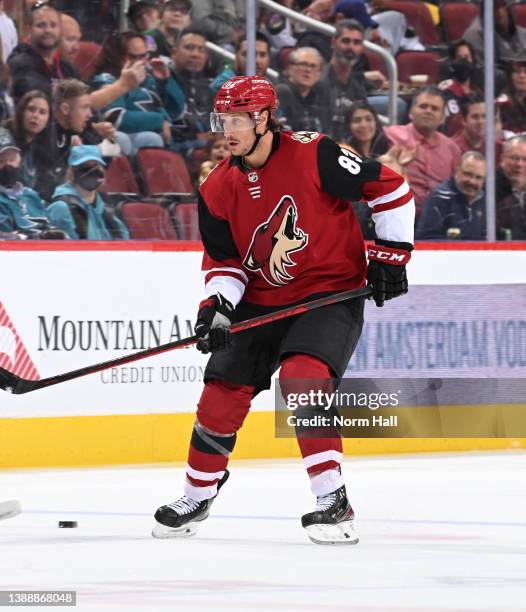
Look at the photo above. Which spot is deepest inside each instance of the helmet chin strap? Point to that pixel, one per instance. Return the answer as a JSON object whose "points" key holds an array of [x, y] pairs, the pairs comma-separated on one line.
{"points": [[257, 138]]}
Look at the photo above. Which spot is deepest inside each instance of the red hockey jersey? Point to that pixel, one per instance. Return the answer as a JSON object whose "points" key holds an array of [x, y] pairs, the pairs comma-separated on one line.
{"points": [[276, 235]]}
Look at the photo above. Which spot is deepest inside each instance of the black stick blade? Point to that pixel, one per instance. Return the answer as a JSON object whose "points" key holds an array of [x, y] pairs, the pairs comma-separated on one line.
{"points": [[8, 381], [14, 384]]}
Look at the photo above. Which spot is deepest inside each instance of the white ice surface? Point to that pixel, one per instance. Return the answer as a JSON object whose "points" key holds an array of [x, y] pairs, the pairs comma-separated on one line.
{"points": [[438, 532]]}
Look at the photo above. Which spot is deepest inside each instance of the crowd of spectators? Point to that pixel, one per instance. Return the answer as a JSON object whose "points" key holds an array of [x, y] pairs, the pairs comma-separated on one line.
{"points": [[77, 94]]}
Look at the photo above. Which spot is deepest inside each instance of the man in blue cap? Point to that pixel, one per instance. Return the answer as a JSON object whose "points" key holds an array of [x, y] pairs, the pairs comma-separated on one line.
{"points": [[354, 9], [77, 206]]}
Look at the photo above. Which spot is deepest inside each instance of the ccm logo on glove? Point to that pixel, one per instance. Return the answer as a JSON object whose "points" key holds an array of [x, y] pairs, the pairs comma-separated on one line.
{"points": [[395, 257], [386, 273]]}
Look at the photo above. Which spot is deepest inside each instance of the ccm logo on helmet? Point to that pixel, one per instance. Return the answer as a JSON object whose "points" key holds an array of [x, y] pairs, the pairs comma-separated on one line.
{"points": [[396, 257]]}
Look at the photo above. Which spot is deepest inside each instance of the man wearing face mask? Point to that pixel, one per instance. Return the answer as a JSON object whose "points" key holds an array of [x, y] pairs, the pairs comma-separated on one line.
{"points": [[464, 81], [77, 207], [22, 211]]}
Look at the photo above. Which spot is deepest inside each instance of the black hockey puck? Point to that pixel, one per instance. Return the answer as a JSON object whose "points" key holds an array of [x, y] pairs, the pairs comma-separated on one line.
{"points": [[67, 524]]}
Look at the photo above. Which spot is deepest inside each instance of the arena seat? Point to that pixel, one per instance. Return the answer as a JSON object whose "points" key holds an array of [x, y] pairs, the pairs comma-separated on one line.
{"points": [[86, 59], [418, 62], [455, 18], [282, 58], [520, 14], [185, 218], [164, 173], [120, 177], [376, 62], [419, 18], [147, 221]]}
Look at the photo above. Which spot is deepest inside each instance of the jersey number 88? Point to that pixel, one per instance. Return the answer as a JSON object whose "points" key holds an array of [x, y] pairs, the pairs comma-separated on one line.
{"points": [[350, 161]]}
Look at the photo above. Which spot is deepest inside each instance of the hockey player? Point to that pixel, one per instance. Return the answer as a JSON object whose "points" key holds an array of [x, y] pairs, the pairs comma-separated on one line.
{"points": [[278, 229]]}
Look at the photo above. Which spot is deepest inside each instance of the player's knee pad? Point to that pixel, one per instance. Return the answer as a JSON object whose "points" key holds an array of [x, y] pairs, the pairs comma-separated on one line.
{"points": [[223, 406], [302, 373]]}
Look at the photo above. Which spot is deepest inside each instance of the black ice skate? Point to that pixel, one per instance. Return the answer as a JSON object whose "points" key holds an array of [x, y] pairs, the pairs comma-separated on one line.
{"points": [[181, 518], [332, 520]]}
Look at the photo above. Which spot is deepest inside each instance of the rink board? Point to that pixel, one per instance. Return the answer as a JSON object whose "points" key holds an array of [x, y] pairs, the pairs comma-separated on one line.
{"points": [[112, 440], [66, 307]]}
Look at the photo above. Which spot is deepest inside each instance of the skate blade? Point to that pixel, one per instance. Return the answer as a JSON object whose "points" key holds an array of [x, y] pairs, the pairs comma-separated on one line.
{"points": [[162, 532], [10, 508], [339, 533]]}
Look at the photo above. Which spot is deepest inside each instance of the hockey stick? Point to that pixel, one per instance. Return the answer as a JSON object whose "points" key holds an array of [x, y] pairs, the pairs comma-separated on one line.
{"points": [[15, 384], [9, 509]]}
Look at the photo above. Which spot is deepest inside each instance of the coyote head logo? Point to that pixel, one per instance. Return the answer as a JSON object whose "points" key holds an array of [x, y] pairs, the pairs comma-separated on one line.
{"points": [[305, 137], [274, 241]]}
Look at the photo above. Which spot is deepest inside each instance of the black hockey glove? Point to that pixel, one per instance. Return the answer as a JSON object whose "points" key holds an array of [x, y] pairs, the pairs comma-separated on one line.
{"points": [[386, 271], [213, 324]]}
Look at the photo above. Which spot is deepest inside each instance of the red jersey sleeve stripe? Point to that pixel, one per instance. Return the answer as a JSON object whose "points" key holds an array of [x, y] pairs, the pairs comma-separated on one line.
{"points": [[387, 191], [209, 262], [405, 199], [229, 265], [237, 274]]}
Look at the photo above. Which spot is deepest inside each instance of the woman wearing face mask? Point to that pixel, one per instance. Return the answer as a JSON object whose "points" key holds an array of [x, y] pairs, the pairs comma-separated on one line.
{"points": [[463, 81], [77, 207]]}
